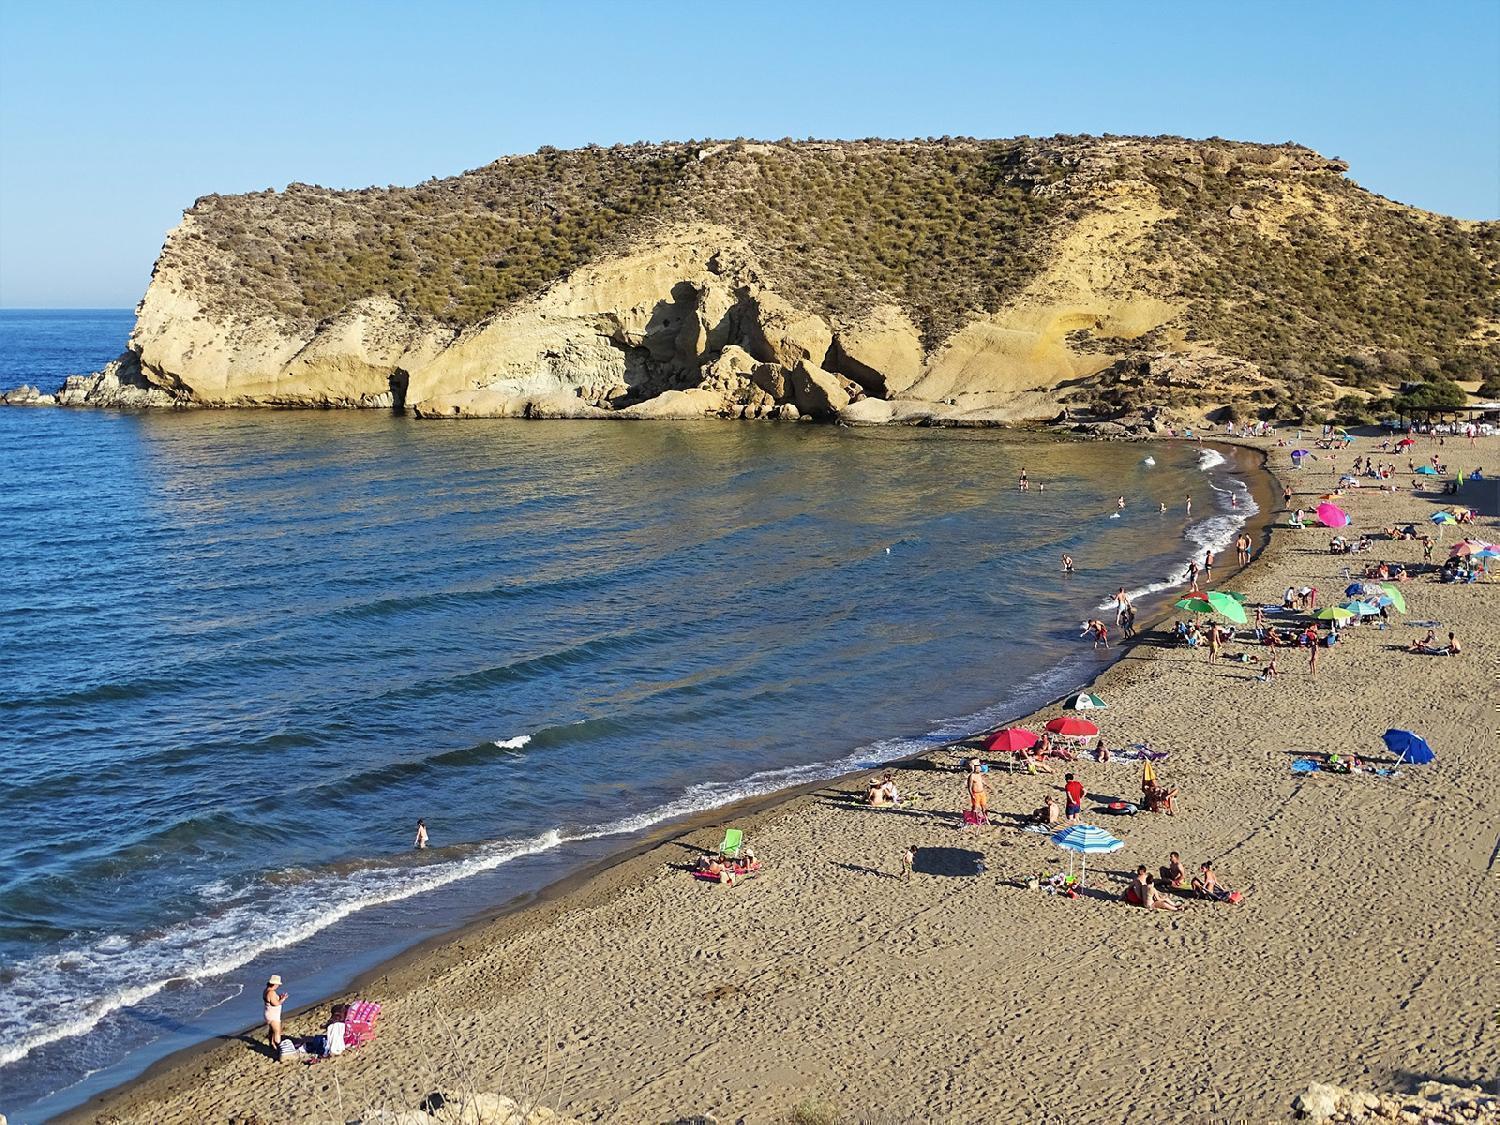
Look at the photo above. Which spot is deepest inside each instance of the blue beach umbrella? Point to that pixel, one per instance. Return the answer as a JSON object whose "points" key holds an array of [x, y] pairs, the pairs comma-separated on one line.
{"points": [[1407, 747], [1428, 471], [1355, 589], [1086, 840], [1362, 609]]}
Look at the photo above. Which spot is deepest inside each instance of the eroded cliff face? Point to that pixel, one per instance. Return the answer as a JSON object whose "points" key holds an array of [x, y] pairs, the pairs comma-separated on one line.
{"points": [[1100, 273], [686, 326]]}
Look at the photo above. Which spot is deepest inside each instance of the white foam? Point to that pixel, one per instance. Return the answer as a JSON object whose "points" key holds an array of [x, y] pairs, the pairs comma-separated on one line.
{"points": [[511, 743], [1216, 533], [1149, 461], [133, 971]]}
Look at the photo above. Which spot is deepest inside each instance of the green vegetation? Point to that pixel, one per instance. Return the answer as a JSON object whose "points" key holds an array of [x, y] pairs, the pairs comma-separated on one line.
{"points": [[1277, 258]]}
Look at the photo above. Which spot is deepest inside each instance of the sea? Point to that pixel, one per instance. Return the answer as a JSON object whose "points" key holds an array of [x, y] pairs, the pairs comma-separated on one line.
{"points": [[245, 650]]}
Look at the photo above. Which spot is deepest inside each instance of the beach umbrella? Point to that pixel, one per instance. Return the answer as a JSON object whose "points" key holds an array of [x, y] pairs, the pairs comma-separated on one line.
{"points": [[1355, 589], [1427, 471], [1069, 727], [1084, 702], [1012, 740], [1227, 606], [1241, 598], [1408, 747], [1467, 547], [1331, 515], [1334, 613], [1085, 840], [1442, 517], [1398, 599], [1404, 442], [1299, 453], [1362, 609], [1194, 604]]}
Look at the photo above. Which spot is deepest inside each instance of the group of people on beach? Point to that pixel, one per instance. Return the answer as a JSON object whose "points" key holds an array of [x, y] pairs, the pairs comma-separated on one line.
{"points": [[1146, 889]]}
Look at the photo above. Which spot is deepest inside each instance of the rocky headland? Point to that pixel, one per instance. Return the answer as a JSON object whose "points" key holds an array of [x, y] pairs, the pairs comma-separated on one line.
{"points": [[951, 281]]}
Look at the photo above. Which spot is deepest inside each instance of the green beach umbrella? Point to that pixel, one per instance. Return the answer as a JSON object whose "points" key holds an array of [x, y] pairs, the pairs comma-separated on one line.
{"points": [[1194, 604], [1226, 605], [1334, 613], [1394, 593], [1084, 702], [1241, 598]]}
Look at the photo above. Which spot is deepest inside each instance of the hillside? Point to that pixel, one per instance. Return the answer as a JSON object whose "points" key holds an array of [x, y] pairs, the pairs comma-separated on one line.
{"points": [[955, 278]]}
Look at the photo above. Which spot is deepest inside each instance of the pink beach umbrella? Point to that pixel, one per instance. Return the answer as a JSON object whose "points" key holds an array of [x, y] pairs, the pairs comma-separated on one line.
{"points": [[1332, 515]]}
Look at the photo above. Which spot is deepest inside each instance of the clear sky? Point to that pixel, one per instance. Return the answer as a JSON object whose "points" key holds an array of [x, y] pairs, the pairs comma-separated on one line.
{"points": [[115, 115]]}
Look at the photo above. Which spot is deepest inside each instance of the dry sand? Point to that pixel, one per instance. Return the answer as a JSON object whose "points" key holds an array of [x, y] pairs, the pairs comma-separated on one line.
{"points": [[1365, 953]]}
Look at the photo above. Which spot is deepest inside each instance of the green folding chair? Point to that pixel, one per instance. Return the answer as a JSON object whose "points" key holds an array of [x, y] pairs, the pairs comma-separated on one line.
{"points": [[734, 839]]}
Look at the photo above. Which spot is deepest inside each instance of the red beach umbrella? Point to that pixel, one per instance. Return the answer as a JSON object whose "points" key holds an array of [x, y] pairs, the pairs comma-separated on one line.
{"points": [[1012, 740], [1071, 727]]}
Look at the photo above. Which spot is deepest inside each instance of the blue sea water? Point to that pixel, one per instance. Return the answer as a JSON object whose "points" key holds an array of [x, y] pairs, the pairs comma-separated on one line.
{"points": [[245, 650]]}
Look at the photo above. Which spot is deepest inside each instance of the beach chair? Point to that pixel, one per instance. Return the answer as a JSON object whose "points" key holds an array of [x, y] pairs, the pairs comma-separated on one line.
{"points": [[734, 840]]}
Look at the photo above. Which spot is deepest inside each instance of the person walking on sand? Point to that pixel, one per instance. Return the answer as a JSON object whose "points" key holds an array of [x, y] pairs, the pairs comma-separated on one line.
{"points": [[1074, 790], [421, 840], [908, 860], [274, 1000], [1312, 657], [979, 798], [1208, 564], [1215, 641]]}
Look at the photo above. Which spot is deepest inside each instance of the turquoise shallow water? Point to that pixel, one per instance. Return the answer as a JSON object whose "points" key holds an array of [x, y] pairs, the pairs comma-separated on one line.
{"points": [[246, 650]]}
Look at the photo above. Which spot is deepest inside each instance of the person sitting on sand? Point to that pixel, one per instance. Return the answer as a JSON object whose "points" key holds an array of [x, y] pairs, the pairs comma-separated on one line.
{"points": [[1207, 886], [1101, 752], [873, 796], [1050, 813], [1426, 644], [1136, 892], [1155, 900], [1454, 648], [1174, 874], [333, 1041], [888, 791]]}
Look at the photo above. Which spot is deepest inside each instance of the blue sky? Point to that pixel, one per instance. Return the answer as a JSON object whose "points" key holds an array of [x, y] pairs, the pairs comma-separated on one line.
{"points": [[115, 116]]}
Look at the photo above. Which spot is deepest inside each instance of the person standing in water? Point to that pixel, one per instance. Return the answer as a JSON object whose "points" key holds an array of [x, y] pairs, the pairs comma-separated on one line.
{"points": [[274, 1000], [1025, 484], [1189, 504], [1067, 561], [1164, 507], [1120, 503], [1122, 604], [421, 840]]}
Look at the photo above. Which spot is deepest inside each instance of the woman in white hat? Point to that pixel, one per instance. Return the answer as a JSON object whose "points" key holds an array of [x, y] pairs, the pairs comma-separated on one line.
{"points": [[274, 1000]]}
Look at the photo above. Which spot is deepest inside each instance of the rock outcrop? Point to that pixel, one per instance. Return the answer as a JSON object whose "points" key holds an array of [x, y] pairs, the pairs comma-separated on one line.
{"points": [[952, 282], [1432, 1103]]}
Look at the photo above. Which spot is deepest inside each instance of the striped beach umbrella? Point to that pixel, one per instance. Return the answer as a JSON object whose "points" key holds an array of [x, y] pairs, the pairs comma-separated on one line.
{"points": [[1085, 840], [1084, 702]]}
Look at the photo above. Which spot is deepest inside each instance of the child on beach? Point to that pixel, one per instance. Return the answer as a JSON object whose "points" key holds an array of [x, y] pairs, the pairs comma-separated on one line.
{"points": [[908, 858]]}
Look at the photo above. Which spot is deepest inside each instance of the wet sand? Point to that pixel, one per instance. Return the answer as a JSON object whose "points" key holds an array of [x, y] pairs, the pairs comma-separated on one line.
{"points": [[1364, 953]]}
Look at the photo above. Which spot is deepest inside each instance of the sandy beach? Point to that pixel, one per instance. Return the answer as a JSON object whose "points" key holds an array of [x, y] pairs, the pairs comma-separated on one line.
{"points": [[1363, 953]]}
